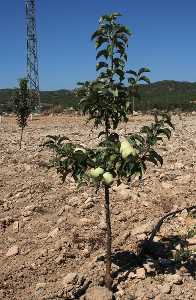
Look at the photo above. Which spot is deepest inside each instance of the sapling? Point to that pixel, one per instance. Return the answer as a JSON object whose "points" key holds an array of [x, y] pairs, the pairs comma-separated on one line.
{"points": [[22, 106], [106, 100], [134, 81]]}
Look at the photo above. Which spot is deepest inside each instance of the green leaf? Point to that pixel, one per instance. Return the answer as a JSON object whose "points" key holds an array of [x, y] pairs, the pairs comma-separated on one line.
{"points": [[143, 70], [144, 78], [124, 29], [96, 34], [120, 73], [101, 65], [165, 131], [100, 41], [156, 156], [132, 72], [103, 52], [115, 15]]}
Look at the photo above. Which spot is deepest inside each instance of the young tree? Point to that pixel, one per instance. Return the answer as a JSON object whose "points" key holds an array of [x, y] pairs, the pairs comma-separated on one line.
{"points": [[107, 101], [134, 81], [22, 105]]}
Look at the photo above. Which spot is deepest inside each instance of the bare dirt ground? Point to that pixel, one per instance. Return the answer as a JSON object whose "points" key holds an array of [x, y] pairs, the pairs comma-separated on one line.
{"points": [[52, 235]]}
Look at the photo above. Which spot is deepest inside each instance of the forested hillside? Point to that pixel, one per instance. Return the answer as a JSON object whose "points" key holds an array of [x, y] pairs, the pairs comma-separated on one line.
{"points": [[163, 95]]}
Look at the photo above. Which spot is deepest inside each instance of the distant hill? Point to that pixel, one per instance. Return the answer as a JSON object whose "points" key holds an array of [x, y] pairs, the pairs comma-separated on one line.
{"points": [[161, 95]]}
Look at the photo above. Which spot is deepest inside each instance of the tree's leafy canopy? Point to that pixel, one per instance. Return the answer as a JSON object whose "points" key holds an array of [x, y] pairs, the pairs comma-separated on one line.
{"points": [[76, 160], [22, 103]]}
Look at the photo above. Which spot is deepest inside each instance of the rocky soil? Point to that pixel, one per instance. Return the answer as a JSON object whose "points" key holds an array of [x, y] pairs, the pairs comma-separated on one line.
{"points": [[52, 235]]}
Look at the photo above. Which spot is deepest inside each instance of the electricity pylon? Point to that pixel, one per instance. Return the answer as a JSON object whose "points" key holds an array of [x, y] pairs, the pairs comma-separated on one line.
{"points": [[32, 54]]}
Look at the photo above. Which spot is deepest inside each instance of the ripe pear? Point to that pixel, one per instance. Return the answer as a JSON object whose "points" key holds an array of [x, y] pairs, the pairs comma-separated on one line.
{"points": [[108, 178], [96, 172]]}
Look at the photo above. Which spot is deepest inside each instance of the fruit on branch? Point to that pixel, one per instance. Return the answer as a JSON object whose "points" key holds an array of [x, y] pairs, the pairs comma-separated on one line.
{"points": [[127, 149], [96, 172], [108, 178]]}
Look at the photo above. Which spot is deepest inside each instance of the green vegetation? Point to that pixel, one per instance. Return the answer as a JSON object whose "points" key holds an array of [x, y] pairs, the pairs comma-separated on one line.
{"points": [[162, 95], [22, 105], [107, 102]]}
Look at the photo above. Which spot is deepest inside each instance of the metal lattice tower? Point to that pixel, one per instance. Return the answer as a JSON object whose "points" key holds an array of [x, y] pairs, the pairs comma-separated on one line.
{"points": [[32, 55]]}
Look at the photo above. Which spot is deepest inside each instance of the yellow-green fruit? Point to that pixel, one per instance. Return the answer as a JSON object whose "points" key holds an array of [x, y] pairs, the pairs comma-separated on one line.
{"points": [[108, 178], [126, 149], [80, 149], [96, 172]]}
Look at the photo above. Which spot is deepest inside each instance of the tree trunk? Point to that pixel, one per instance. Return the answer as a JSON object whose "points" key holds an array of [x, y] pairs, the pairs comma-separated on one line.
{"points": [[21, 135], [133, 105], [108, 257]]}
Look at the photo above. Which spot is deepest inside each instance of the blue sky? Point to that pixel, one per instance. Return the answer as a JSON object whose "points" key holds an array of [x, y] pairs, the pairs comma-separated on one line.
{"points": [[164, 39]]}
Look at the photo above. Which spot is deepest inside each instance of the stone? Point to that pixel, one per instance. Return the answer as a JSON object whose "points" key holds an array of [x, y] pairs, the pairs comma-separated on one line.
{"points": [[142, 228], [61, 220], [165, 289], [60, 259], [54, 233], [102, 224], [141, 273], [174, 278], [70, 278], [15, 226], [149, 267], [98, 293], [88, 204], [191, 241], [86, 221], [124, 194], [13, 251], [132, 275], [122, 186], [40, 286]]}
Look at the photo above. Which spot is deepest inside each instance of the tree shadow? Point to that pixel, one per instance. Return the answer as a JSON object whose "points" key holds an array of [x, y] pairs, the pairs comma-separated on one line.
{"points": [[168, 255]]}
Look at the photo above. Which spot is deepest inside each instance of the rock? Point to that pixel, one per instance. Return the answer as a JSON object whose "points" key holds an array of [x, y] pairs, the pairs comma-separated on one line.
{"points": [[165, 289], [149, 267], [142, 228], [192, 242], [39, 288], [122, 186], [74, 283], [86, 221], [88, 203], [54, 232], [27, 167], [132, 275], [174, 278], [13, 251], [61, 220], [70, 279], [141, 273], [15, 226], [59, 245], [60, 259], [98, 293], [28, 210]]}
